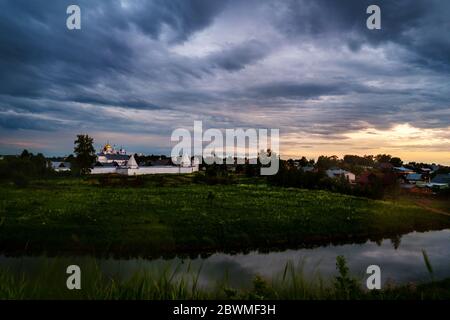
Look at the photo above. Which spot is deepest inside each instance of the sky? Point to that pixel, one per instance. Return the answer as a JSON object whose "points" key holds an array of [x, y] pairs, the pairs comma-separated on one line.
{"points": [[139, 69]]}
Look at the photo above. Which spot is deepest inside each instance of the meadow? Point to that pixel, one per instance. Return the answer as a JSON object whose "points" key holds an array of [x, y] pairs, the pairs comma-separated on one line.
{"points": [[173, 215]]}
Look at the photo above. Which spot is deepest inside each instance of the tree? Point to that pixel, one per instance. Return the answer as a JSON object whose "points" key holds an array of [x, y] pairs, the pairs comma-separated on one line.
{"points": [[25, 154], [355, 160], [396, 162], [325, 162], [303, 162], [85, 153], [383, 158], [23, 167]]}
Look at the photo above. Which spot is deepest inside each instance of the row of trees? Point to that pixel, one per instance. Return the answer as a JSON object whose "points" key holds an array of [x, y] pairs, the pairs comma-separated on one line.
{"points": [[27, 165], [23, 167], [376, 186], [326, 162]]}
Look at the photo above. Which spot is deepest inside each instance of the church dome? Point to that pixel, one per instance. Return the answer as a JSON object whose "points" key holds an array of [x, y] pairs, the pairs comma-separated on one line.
{"points": [[107, 147]]}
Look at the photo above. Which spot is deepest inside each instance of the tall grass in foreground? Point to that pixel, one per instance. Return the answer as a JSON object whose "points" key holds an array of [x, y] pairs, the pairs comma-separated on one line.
{"points": [[168, 284]]}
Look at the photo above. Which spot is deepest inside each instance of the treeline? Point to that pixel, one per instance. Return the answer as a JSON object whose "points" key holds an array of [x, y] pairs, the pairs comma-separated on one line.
{"points": [[375, 188], [357, 163], [222, 174], [20, 169], [379, 181]]}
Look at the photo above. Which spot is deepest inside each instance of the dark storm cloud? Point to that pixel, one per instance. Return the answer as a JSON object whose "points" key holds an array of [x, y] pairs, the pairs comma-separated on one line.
{"points": [[417, 25], [236, 58], [39, 53], [183, 17], [9, 120], [168, 62], [308, 90]]}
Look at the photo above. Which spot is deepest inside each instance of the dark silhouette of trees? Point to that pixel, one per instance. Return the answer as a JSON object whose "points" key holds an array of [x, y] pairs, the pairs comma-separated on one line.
{"points": [[20, 169], [396, 162], [327, 162], [383, 158], [84, 154]]}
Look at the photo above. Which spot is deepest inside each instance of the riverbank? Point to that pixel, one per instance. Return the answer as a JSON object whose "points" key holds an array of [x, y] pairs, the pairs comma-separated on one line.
{"points": [[171, 215]]}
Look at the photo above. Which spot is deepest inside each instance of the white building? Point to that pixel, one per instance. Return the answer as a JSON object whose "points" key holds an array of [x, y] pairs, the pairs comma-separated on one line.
{"points": [[133, 169], [108, 154], [307, 169], [60, 166], [336, 173], [110, 161]]}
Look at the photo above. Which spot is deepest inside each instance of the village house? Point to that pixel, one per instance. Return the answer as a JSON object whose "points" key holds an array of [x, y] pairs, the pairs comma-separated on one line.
{"points": [[368, 178], [308, 169], [440, 181], [61, 166], [402, 171], [337, 172], [413, 178]]}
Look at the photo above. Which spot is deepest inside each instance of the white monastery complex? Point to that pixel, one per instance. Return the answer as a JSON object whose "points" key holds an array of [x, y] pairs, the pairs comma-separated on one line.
{"points": [[110, 160]]}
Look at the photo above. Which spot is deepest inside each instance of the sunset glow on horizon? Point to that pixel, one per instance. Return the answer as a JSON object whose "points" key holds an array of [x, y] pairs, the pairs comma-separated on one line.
{"points": [[403, 140]]}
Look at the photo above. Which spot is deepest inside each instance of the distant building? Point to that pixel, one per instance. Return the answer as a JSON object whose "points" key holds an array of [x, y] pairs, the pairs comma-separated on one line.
{"points": [[369, 178], [133, 169], [108, 154], [413, 178], [111, 161], [336, 173], [441, 178], [104, 168], [308, 169], [441, 181], [403, 170], [434, 167], [60, 166]]}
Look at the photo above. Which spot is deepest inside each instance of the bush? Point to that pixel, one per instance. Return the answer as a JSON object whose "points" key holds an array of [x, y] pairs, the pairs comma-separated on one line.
{"points": [[214, 174], [291, 177], [346, 286], [24, 167]]}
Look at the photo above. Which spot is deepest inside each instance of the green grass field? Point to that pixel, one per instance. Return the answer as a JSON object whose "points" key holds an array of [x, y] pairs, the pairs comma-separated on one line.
{"points": [[171, 215]]}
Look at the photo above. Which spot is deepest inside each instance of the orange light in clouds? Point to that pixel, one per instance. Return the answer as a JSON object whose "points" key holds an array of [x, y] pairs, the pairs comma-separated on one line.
{"points": [[402, 140]]}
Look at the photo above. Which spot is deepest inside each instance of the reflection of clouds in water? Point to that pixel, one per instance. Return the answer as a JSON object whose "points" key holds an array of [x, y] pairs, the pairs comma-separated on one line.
{"points": [[383, 253], [224, 267], [402, 265]]}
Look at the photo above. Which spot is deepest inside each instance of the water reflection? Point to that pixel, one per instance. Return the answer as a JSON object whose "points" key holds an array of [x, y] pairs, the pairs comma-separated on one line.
{"points": [[400, 260]]}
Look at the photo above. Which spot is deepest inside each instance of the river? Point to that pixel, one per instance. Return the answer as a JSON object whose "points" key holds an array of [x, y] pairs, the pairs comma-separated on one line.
{"points": [[401, 261]]}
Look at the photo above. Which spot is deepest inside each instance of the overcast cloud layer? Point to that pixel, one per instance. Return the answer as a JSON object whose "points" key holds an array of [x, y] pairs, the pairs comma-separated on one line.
{"points": [[138, 69]]}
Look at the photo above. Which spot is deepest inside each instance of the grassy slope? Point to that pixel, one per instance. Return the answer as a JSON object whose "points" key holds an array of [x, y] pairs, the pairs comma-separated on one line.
{"points": [[168, 215]]}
